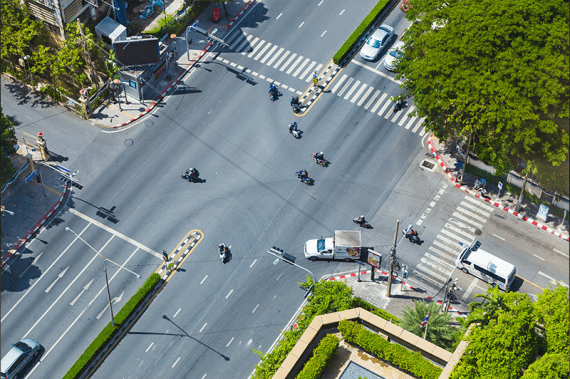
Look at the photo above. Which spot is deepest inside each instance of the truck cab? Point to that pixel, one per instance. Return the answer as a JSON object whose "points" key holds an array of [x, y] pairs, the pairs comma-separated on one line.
{"points": [[321, 248]]}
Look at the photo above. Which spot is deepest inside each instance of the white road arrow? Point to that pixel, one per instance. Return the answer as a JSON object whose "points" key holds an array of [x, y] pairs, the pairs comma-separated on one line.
{"points": [[33, 263], [81, 293], [56, 279], [115, 300]]}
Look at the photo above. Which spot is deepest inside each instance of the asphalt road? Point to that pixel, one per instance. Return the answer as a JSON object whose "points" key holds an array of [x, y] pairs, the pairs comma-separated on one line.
{"points": [[210, 315]]}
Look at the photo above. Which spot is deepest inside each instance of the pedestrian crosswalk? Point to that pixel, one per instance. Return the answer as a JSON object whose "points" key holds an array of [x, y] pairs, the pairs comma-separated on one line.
{"points": [[300, 67], [439, 261]]}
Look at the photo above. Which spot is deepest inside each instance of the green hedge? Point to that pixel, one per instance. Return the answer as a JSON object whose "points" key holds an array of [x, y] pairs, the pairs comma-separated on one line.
{"points": [[358, 302], [360, 30], [322, 356], [495, 179], [177, 27], [109, 331], [397, 355]]}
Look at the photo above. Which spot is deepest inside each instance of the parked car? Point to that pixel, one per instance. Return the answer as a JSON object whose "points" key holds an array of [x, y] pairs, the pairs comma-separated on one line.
{"points": [[394, 54], [377, 42], [18, 357]]}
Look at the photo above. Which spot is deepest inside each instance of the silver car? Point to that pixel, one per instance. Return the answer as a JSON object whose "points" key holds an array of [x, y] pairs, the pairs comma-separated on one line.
{"points": [[394, 54], [18, 357], [377, 42]]}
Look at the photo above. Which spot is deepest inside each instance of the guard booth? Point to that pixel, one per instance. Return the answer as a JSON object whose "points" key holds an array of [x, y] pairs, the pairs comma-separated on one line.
{"points": [[110, 31]]}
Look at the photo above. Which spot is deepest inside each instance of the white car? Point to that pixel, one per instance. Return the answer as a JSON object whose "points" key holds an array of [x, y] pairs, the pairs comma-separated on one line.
{"points": [[377, 42], [394, 54]]}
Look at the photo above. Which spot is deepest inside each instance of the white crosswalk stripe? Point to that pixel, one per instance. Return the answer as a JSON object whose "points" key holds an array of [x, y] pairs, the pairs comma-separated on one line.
{"points": [[438, 262], [300, 67]]}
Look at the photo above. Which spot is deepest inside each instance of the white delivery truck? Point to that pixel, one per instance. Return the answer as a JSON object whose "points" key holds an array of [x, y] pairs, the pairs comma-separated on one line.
{"points": [[344, 245]]}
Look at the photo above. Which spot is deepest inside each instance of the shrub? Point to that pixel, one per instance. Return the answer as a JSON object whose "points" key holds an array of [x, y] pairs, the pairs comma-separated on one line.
{"points": [[322, 356], [109, 331], [360, 30], [358, 302], [397, 355]]}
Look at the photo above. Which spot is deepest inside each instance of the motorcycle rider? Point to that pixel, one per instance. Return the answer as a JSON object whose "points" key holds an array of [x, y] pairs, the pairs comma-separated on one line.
{"points": [[222, 249], [399, 104], [360, 219], [319, 157], [192, 174], [303, 174], [411, 234], [293, 127]]}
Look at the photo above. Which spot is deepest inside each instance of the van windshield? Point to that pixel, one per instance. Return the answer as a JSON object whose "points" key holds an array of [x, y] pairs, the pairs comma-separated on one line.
{"points": [[320, 245]]}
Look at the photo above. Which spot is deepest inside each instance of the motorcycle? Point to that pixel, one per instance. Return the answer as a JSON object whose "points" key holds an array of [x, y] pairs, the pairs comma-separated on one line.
{"points": [[273, 92], [304, 179], [399, 105], [412, 237], [191, 178], [224, 253], [322, 162], [295, 104], [293, 130], [364, 224]]}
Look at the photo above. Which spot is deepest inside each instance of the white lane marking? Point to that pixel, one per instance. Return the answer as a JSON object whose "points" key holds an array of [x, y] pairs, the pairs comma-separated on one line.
{"points": [[204, 376], [85, 288], [203, 279], [340, 14], [256, 47], [352, 89], [269, 53], [345, 87], [462, 225], [369, 103], [471, 214], [176, 314], [320, 3], [240, 67], [452, 235], [439, 261], [114, 300], [364, 85], [33, 264], [538, 257], [429, 271], [559, 252], [432, 204], [552, 280], [480, 203], [339, 83], [384, 107], [323, 33], [254, 309], [275, 56], [441, 253], [469, 289], [240, 47], [307, 70], [278, 277], [203, 328], [363, 98], [277, 18], [419, 124], [95, 256], [228, 295], [406, 116], [398, 114], [301, 24], [475, 208], [288, 62], [225, 61], [453, 252], [234, 44], [253, 263], [262, 51], [466, 219], [81, 314], [261, 76], [230, 342], [380, 100], [149, 346], [233, 64], [299, 59], [281, 59], [175, 362], [115, 233], [375, 71], [254, 73], [301, 67], [458, 230], [501, 238], [249, 342], [49, 268], [449, 242]]}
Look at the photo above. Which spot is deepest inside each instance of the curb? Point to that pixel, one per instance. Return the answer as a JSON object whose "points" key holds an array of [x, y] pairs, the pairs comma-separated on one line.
{"points": [[197, 237], [319, 90], [35, 228], [510, 211], [341, 277], [168, 88], [240, 13]]}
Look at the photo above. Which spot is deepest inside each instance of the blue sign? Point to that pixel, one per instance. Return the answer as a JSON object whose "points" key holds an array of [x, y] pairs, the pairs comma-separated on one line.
{"points": [[31, 176], [360, 263], [500, 185], [193, 25], [63, 168]]}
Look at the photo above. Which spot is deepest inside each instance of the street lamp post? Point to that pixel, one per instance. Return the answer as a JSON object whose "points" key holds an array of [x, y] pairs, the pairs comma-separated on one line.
{"points": [[26, 57], [186, 31], [7, 211], [105, 265], [287, 258]]}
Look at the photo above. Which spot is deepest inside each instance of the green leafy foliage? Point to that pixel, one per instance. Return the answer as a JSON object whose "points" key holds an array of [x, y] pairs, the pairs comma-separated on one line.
{"points": [[550, 366], [358, 302], [495, 69], [322, 356], [368, 21], [7, 142], [101, 341], [439, 330], [397, 355], [552, 310]]}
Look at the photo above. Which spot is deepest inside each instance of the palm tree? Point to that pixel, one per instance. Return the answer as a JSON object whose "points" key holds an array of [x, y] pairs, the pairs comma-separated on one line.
{"points": [[439, 330]]}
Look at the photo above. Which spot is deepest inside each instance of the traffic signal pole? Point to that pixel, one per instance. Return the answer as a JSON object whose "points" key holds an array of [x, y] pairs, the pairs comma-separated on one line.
{"points": [[392, 258]]}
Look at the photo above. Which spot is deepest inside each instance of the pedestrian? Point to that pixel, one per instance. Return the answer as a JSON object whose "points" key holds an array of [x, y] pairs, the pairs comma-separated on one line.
{"points": [[477, 184], [164, 256]]}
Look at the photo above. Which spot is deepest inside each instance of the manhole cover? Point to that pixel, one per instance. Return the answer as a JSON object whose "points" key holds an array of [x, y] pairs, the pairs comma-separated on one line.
{"points": [[478, 232], [428, 165], [149, 123], [129, 142]]}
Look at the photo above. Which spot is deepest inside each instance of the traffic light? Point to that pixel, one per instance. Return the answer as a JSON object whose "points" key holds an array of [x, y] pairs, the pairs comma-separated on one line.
{"points": [[286, 257], [475, 246]]}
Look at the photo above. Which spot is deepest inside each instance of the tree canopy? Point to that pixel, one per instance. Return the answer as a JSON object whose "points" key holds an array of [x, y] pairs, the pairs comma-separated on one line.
{"points": [[439, 329], [497, 70], [7, 142]]}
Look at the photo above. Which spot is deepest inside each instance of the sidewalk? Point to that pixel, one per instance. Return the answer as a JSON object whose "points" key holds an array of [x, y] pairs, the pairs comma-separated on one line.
{"points": [[114, 115], [447, 158], [31, 204]]}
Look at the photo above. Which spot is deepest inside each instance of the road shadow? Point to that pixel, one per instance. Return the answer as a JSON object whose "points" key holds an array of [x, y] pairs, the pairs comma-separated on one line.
{"points": [[20, 265]]}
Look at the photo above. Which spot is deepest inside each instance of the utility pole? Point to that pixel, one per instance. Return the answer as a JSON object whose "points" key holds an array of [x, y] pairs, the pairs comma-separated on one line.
{"points": [[392, 258], [466, 162], [91, 66], [449, 289]]}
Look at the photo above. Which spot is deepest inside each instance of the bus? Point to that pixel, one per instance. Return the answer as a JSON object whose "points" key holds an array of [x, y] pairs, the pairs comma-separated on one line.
{"points": [[486, 266]]}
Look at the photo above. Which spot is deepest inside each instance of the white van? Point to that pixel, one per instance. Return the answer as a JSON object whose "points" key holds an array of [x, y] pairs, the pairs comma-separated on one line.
{"points": [[486, 266]]}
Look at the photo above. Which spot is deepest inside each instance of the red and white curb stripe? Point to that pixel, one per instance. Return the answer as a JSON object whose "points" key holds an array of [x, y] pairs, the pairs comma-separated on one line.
{"points": [[477, 195], [240, 13], [341, 277], [168, 88], [35, 228]]}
